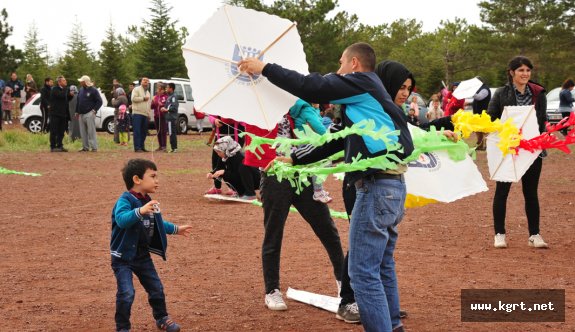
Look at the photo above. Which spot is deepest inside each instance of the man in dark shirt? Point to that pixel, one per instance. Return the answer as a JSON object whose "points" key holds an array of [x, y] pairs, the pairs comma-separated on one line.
{"points": [[89, 102], [45, 102]]}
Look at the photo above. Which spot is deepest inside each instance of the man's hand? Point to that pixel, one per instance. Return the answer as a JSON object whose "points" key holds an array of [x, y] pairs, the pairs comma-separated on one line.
{"points": [[451, 135], [148, 208], [251, 66], [286, 160], [185, 230], [218, 123]]}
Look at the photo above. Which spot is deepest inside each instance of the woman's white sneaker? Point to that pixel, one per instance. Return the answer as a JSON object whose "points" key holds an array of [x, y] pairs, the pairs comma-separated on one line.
{"points": [[537, 241], [275, 300], [500, 241]]}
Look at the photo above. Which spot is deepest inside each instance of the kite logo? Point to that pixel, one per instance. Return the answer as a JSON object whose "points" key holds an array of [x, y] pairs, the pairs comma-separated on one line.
{"points": [[246, 52], [426, 160]]}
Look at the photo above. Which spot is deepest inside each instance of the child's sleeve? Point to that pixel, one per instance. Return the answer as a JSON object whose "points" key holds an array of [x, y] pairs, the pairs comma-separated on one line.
{"points": [[315, 123], [170, 228], [125, 215]]}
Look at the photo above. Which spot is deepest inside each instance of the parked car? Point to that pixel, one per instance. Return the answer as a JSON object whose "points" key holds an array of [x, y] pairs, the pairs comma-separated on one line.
{"points": [[32, 116], [553, 114], [422, 103], [186, 118]]}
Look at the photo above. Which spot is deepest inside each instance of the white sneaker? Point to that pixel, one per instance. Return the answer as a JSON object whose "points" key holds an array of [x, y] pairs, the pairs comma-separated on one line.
{"points": [[10, 122], [500, 241], [537, 241], [275, 300], [5, 122], [321, 196], [338, 282]]}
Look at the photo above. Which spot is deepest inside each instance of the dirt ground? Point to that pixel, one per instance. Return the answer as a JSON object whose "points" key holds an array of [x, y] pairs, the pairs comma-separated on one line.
{"points": [[55, 261]]}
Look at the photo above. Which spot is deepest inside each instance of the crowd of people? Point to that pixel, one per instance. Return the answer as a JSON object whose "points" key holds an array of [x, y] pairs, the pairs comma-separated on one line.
{"points": [[364, 89]]}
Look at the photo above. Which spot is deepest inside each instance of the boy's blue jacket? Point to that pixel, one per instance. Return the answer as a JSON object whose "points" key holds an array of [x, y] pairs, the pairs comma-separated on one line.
{"points": [[127, 227], [362, 95], [303, 113]]}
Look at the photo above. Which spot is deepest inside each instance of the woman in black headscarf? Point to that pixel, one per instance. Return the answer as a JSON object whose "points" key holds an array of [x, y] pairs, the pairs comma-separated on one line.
{"points": [[399, 82]]}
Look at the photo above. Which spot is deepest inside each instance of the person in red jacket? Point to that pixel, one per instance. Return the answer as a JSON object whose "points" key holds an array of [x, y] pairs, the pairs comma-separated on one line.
{"points": [[277, 198], [452, 104]]}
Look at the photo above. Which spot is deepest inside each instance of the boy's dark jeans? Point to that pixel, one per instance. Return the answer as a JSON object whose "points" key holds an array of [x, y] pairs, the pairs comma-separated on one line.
{"points": [[143, 267], [277, 198], [173, 131]]}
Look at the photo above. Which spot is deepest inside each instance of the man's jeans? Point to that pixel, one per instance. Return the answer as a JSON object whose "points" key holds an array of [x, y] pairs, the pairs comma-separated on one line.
{"points": [[143, 267], [140, 125], [377, 211]]}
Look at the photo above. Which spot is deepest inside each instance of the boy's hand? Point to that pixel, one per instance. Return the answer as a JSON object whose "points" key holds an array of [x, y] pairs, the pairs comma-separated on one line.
{"points": [[218, 173], [148, 208], [185, 230], [451, 135]]}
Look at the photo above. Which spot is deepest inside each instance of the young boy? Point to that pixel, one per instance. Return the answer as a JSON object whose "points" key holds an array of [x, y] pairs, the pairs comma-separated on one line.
{"points": [[138, 229]]}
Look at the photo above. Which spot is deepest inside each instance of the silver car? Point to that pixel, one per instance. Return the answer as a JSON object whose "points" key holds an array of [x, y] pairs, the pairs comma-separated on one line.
{"points": [[32, 115], [553, 114]]}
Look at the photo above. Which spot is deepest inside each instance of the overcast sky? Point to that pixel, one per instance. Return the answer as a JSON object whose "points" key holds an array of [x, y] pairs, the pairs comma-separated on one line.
{"points": [[55, 19]]}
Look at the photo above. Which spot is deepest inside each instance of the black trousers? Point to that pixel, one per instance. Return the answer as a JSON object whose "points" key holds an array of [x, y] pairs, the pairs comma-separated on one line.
{"points": [[172, 124], [277, 198], [58, 126], [45, 126], [530, 183], [347, 295]]}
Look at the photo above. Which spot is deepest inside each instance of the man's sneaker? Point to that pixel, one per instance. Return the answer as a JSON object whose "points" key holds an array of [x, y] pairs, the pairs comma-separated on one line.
{"points": [[537, 241], [247, 198], [10, 122], [166, 324], [349, 313], [275, 300], [321, 196], [500, 241], [213, 191], [173, 150], [402, 314]]}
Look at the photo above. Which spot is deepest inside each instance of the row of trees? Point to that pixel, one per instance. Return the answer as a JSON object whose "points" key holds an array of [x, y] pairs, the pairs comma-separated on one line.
{"points": [[543, 30]]}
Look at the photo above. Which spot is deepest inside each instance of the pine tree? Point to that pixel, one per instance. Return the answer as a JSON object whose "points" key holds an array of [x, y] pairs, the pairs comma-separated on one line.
{"points": [[10, 56], [160, 55], [111, 61], [78, 60], [35, 59]]}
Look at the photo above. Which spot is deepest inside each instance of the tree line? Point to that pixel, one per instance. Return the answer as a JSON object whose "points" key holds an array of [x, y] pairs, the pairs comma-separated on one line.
{"points": [[543, 30]]}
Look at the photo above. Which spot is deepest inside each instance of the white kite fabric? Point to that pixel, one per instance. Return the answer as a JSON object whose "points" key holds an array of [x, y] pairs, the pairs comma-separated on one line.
{"points": [[467, 89], [324, 302], [511, 167], [230, 35], [434, 175]]}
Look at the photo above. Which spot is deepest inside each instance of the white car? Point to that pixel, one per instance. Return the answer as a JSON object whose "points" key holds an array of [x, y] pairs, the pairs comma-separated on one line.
{"points": [[32, 116], [186, 118]]}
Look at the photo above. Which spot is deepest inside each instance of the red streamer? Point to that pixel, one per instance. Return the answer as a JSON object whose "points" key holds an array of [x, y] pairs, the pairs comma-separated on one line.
{"points": [[549, 141]]}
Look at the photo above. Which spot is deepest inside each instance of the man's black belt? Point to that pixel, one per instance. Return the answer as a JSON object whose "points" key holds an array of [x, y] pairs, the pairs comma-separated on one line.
{"points": [[380, 175]]}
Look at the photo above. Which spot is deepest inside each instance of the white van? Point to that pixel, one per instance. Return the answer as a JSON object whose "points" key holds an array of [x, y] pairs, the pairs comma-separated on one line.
{"points": [[186, 118]]}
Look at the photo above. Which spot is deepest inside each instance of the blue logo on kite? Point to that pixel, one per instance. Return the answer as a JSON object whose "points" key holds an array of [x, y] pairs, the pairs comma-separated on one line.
{"points": [[247, 52], [425, 160]]}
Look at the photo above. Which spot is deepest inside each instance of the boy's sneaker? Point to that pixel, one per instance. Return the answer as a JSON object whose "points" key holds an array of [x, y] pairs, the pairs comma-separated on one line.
{"points": [[537, 241], [166, 324], [275, 300], [500, 241], [321, 196], [214, 191], [348, 313]]}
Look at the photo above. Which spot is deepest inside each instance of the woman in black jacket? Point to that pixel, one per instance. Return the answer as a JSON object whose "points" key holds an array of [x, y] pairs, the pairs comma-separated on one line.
{"points": [[520, 91]]}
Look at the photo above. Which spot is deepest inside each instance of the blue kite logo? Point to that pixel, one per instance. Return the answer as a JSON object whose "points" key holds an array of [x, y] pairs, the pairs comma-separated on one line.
{"points": [[247, 52], [425, 160]]}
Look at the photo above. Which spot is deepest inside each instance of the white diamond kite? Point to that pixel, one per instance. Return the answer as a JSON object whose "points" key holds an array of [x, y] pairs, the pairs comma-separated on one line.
{"points": [[233, 34]]}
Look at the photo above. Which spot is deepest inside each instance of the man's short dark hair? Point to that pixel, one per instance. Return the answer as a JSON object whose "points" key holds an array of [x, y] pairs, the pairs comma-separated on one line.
{"points": [[47, 79], [172, 86], [136, 167], [364, 53]]}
